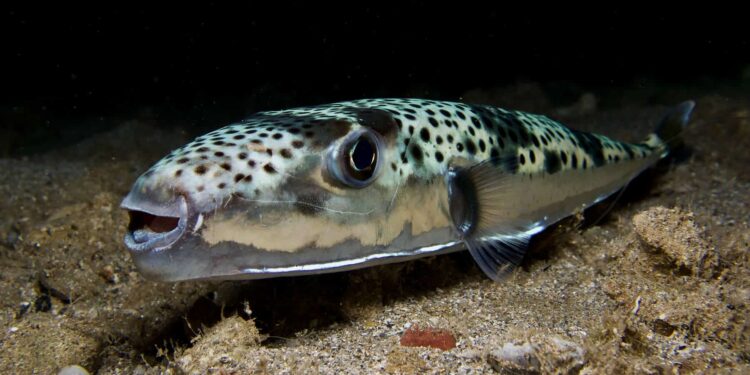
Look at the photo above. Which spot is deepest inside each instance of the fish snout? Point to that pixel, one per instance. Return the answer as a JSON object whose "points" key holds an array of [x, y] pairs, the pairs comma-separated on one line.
{"points": [[155, 224]]}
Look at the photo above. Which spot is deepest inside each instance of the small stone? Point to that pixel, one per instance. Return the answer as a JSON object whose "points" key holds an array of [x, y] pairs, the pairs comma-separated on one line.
{"points": [[108, 274], [73, 370], [540, 354]]}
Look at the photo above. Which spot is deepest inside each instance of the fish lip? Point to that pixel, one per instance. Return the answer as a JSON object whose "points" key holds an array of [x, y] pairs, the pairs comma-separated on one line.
{"points": [[140, 240]]}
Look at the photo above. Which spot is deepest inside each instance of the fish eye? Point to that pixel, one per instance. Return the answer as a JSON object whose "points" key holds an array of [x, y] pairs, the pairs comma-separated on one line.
{"points": [[355, 162]]}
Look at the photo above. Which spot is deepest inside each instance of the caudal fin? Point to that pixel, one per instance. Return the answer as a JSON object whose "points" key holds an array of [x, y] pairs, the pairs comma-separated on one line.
{"points": [[673, 123]]}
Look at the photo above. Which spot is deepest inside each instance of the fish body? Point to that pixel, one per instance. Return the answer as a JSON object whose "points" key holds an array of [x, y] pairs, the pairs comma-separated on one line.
{"points": [[354, 184]]}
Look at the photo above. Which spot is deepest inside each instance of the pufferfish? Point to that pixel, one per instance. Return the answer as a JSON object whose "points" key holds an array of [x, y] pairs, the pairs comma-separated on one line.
{"points": [[354, 184]]}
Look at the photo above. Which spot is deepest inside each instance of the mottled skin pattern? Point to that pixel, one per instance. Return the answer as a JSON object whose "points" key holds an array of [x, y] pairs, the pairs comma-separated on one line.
{"points": [[256, 154], [265, 196]]}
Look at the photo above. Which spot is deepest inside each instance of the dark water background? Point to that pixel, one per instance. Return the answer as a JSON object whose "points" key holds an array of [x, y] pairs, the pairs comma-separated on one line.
{"points": [[70, 72]]}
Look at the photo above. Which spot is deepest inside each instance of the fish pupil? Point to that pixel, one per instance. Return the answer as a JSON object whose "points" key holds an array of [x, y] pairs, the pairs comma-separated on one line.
{"points": [[362, 155]]}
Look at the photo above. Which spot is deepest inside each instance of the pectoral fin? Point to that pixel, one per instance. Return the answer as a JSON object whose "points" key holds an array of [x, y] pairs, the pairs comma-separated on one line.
{"points": [[495, 235]]}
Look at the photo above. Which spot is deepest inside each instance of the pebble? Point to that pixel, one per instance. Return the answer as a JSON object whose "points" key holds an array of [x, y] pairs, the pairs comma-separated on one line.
{"points": [[73, 370]]}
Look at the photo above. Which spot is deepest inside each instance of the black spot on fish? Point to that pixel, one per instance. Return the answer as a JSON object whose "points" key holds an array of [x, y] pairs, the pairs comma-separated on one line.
{"points": [[573, 161], [238, 177], [591, 145], [285, 153], [629, 151], [424, 134], [482, 145], [438, 156], [471, 148], [221, 185], [433, 122], [494, 153], [182, 160], [532, 156], [521, 159], [226, 166], [379, 120], [218, 153], [501, 132], [513, 137], [416, 152], [242, 155], [269, 168], [535, 140], [439, 140], [178, 173], [563, 157], [297, 144], [239, 136], [551, 162], [459, 146], [200, 170], [277, 136]]}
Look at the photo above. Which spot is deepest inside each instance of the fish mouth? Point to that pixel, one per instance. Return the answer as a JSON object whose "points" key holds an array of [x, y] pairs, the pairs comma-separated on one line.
{"points": [[155, 226]]}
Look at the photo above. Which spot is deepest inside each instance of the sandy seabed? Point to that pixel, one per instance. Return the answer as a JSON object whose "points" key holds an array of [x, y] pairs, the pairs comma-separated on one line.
{"points": [[661, 284]]}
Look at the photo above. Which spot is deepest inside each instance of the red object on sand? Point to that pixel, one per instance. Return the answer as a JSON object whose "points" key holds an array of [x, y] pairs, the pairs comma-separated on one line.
{"points": [[430, 337]]}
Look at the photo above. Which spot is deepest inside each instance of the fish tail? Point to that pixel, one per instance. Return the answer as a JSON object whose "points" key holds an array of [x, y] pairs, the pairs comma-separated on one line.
{"points": [[667, 134]]}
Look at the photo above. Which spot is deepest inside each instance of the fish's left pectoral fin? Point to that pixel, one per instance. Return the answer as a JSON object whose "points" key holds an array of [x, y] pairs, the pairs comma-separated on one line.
{"points": [[484, 207], [498, 255]]}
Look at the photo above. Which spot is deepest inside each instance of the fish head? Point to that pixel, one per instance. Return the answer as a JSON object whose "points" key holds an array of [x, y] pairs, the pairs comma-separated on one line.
{"points": [[282, 193]]}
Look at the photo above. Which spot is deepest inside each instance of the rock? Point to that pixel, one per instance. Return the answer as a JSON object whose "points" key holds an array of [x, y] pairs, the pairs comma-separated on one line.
{"points": [[73, 370], [108, 274], [539, 354], [228, 345], [674, 233]]}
